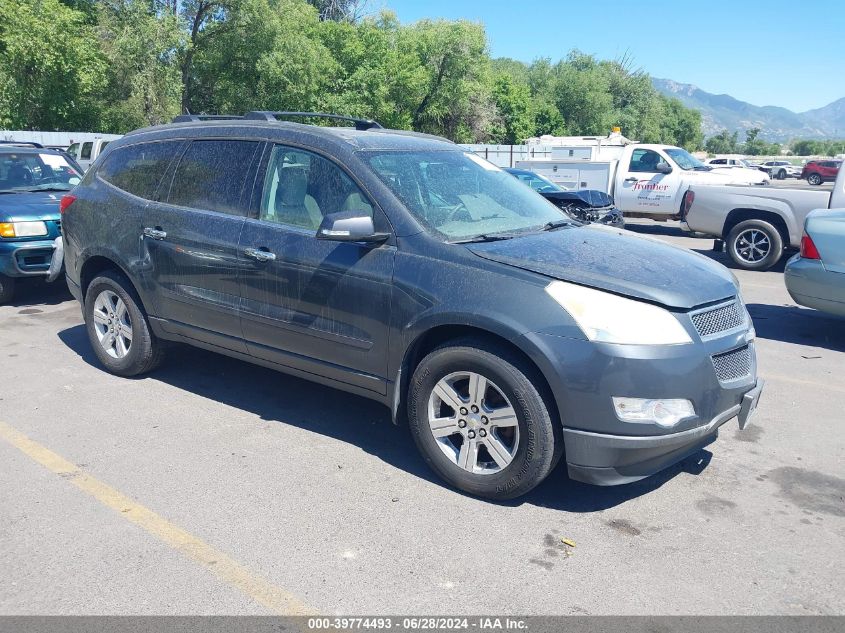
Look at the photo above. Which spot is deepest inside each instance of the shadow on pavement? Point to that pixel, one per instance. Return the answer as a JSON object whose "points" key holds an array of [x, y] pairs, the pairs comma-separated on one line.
{"points": [[276, 397], [34, 291], [802, 326], [724, 259], [658, 228]]}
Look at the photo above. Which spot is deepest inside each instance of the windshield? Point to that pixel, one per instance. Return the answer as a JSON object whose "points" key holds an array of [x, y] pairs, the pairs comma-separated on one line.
{"points": [[459, 196], [35, 171], [536, 181], [685, 160]]}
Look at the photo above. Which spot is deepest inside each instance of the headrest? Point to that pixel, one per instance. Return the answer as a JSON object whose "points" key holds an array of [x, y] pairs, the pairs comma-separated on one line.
{"points": [[293, 187]]}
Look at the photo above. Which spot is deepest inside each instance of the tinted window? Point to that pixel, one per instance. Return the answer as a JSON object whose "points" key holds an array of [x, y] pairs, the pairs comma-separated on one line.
{"points": [[301, 187], [138, 169], [73, 150], [86, 150], [717, 161], [212, 175], [645, 160]]}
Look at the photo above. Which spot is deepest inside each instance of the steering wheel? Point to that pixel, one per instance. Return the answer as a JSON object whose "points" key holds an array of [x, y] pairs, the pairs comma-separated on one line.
{"points": [[458, 212]]}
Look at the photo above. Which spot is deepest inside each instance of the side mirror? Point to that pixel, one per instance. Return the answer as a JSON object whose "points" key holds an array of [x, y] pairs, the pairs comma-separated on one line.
{"points": [[349, 226], [663, 168]]}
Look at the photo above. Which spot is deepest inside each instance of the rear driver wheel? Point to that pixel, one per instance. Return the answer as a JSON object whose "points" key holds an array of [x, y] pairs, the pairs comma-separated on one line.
{"points": [[755, 245], [480, 422], [814, 179], [118, 328]]}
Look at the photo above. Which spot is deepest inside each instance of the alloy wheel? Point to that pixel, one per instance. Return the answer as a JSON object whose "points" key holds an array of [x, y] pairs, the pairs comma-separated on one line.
{"points": [[112, 324], [473, 422], [753, 246]]}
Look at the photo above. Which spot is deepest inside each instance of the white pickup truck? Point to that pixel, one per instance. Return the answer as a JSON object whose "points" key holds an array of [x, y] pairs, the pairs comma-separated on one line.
{"points": [[758, 225], [645, 180]]}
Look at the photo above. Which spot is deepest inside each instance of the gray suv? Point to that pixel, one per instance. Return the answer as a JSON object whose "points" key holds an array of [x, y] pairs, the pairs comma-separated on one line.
{"points": [[396, 266]]}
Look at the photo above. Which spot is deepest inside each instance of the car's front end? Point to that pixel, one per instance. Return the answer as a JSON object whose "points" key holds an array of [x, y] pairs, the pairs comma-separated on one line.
{"points": [[32, 184], [646, 362]]}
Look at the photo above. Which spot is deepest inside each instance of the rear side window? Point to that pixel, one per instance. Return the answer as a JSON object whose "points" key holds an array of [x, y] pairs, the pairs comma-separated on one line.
{"points": [[138, 169], [212, 174], [86, 150]]}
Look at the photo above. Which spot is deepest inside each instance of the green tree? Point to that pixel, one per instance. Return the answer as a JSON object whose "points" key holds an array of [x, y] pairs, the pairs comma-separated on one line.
{"points": [[515, 121], [52, 72], [724, 142], [547, 119], [680, 125], [140, 45]]}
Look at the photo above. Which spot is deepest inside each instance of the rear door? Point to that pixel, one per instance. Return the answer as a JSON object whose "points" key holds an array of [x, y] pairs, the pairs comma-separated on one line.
{"points": [[318, 306], [190, 240]]}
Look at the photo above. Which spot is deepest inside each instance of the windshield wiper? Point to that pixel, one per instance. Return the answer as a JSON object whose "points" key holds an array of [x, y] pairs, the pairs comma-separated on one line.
{"points": [[487, 237], [47, 188], [556, 224]]}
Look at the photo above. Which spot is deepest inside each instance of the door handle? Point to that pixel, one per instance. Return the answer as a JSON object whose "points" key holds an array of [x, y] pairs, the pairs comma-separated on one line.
{"points": [[631, 179], [156, 234], [259, 255]]}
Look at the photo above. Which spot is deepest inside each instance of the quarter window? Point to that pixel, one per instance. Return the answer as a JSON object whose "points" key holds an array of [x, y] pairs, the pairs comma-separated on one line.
{"points": [[211, 176], [86, 150], [301, 187], [138, 169]]}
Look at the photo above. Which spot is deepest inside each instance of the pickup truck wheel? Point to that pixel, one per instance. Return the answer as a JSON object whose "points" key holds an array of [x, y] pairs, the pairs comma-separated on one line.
{"points": [[814, 179], [118, 328], [7, 289], [480, 422], [755, 245]]}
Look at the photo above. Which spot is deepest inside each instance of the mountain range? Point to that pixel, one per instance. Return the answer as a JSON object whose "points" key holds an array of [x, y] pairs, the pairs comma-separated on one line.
{"points": [[720, 112]]}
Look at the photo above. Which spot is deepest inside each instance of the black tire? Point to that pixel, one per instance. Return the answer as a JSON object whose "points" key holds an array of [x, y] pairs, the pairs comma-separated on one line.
{"points": [[814, 179], [782, 174], [753, 231], [7, 289], [145, 351], [540, 444]]}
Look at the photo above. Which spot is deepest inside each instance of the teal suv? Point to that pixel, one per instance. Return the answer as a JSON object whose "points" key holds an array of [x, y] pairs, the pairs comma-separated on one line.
{"points": [[32, 183]]}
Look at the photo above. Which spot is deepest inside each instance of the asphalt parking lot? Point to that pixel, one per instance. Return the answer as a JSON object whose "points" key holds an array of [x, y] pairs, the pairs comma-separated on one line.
{"points": [[216, 487]]}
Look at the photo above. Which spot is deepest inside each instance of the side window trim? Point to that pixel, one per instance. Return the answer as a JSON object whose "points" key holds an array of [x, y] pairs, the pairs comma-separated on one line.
{"points": [[177, 155], [243, 200], [380, 218]]}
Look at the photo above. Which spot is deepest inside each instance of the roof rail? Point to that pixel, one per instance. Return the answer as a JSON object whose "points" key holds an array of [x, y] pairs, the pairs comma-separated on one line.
{"points": [[360, 124], [23, 144], [189, 118]]}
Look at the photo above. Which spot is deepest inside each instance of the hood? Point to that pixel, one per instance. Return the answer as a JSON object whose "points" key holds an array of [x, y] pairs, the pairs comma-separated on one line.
{"points": [[36, 205], [616, 261], [589, 197]]}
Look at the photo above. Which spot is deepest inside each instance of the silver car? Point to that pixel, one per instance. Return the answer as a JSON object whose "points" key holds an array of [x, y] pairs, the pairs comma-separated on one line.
{"points": [[815, 277]]}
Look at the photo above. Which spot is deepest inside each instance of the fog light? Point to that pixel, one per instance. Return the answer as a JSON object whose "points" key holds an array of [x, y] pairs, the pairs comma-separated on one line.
{"points": [[664, 413]]}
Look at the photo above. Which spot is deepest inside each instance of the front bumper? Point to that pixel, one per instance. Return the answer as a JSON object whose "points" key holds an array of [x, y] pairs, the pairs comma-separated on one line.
{"points": [[609, 460], [811, 285], [585, 376], [31, 258]]}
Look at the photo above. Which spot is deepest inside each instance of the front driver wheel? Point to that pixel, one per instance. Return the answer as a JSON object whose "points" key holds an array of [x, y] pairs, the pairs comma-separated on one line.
{"points": [[118, 328], [755, 245], [7, 289], [480, 422]]}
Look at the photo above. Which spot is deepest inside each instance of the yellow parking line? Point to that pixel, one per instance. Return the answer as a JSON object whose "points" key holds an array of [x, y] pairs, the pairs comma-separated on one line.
{"points": [[225, 568]]}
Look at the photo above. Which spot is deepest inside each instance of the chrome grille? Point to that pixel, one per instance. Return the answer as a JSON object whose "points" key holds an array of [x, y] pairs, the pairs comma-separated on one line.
{"points": [[733, 365], [720, 319]]}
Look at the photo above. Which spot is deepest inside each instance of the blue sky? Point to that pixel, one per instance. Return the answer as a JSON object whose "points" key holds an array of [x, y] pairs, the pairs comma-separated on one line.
{"points": [[767, 52]]}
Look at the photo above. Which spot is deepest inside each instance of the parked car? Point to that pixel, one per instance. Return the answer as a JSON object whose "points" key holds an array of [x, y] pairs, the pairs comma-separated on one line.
{"points": [[585, 205], [399, 267], [758, 225], [32, 181], [86, 153], [738, 163], [815, 277], [781, 169], [816, 172]]}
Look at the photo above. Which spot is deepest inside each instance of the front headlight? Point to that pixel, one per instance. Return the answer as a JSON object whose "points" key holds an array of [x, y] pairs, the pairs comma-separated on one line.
{"points": [[23, 229], [609, 318]]}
